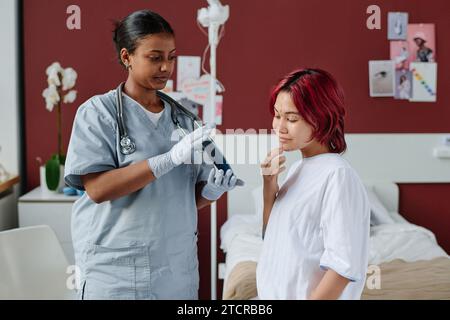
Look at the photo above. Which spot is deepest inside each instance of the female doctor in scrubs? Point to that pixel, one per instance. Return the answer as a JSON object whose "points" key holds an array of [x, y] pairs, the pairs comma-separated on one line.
{"points": [[135, 229]]}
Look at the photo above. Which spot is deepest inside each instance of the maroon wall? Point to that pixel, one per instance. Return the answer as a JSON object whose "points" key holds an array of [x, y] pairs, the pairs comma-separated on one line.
{"points": [[263, 41]]}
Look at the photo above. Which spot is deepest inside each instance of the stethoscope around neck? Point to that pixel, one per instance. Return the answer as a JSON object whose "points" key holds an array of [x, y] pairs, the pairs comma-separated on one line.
{"points": [[127, 144]]}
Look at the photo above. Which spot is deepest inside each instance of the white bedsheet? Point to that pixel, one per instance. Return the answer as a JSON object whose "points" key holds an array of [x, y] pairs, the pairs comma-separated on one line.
{"points": [[402, 241], [241, 241]]}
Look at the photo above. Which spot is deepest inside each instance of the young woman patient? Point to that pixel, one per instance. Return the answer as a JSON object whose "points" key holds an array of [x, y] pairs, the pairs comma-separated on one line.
{"points": [[316, 225]]}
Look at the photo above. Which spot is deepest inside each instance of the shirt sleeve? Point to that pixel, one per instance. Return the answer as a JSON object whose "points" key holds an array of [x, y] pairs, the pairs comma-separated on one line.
{"points": [[345, 223], [92, 146]]}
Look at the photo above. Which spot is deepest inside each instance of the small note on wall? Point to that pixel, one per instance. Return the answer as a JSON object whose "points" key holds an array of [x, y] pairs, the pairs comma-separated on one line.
{"points": [[197, 89], [424, 77], [188, 67], [219, 109]]}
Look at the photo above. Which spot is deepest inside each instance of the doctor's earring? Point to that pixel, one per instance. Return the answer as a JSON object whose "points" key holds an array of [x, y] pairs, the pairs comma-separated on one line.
{"points": [[127, 66]]}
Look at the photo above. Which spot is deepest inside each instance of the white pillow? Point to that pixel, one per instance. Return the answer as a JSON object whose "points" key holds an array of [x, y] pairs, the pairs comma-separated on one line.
{"points": [[378, 213], [397, 217]]}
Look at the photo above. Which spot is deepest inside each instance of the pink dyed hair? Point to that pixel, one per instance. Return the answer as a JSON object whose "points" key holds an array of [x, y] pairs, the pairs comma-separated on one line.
{"points": [[320, 101]]}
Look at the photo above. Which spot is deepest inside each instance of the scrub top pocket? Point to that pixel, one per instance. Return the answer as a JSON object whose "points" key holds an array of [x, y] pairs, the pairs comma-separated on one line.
{"points": [[117, 273]]}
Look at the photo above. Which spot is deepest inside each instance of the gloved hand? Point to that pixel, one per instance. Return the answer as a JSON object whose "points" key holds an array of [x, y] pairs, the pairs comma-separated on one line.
{"points": [[219, 183], [180, 153]]}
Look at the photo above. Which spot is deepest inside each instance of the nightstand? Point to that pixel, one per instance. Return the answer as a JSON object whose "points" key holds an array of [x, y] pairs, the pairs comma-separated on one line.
{"points": [[38, 207]]}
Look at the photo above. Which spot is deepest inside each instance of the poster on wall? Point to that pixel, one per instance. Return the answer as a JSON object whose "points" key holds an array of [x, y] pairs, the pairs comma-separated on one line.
{"points": [[197, 90], [397, 25], [400, 54], [403, 84], [381, 78], [422, 44], [188, 67], [424, 81]]}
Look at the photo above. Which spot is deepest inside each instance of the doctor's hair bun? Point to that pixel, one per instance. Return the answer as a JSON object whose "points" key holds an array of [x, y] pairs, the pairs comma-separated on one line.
{"points": [[135, 26]]}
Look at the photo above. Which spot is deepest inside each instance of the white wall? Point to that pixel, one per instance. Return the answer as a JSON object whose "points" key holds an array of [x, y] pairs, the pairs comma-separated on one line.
{"points": [[9, 118], [9, 107]]}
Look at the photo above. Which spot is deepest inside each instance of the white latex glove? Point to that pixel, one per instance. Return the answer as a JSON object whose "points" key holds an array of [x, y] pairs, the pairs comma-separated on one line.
{"points": [[219, 183], [181, 152]]}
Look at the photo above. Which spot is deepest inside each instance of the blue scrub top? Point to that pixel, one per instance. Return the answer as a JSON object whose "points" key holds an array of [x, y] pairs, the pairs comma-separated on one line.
{"points": [[143, 245]]}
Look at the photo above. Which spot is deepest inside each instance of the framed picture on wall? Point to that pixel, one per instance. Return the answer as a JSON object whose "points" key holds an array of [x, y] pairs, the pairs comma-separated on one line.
{"points": [[400, 54], [381, 78], [397, 25], [424, 81], [403, 84], [421, 40]]}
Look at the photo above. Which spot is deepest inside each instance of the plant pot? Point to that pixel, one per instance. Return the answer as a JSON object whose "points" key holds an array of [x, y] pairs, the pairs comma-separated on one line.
{"points": [[43, 181]]}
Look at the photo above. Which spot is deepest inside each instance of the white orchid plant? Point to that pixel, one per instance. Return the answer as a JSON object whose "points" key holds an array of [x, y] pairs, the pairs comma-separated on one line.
{"points": [[60, 90]]}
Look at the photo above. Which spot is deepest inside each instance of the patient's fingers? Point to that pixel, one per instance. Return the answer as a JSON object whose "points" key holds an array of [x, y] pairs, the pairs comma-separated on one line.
{"points": [[281, 160], [277, 161], [275, 152], [271, 155], [274, 166], [281, 169]]}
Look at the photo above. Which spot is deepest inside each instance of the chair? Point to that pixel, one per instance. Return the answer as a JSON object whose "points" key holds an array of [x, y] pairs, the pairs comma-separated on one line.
{"points": [[33, 265]]}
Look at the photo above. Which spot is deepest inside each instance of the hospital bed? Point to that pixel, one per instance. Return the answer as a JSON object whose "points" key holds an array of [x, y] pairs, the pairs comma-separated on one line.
{"points": [[405, 261]]}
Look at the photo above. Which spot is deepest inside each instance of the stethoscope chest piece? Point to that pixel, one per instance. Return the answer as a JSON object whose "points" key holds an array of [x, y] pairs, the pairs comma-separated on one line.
{"points": [[127, 146]]}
